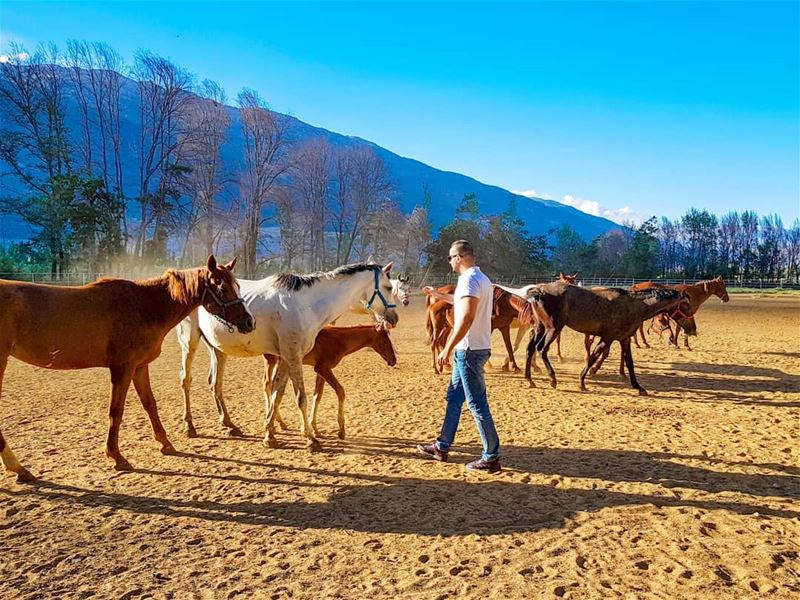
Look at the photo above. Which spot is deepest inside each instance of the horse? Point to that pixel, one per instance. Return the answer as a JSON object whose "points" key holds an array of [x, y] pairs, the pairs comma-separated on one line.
{"points": [[331, 346], [439, 323], [401, 292], [291, 310], [111, 323], [698, 293], [613, 316], [523, 328], [686, 321]]}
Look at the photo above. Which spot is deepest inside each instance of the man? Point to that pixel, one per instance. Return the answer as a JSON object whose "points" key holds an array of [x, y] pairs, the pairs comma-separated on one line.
{"points": [[471, 339]]}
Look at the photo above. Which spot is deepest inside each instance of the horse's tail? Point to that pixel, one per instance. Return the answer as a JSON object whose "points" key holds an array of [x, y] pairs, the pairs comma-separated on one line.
{"points": [[429, 324], [532, 310]]}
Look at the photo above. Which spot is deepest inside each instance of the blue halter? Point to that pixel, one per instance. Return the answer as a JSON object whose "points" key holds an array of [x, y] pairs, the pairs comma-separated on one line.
{"points": [[377, 293]]}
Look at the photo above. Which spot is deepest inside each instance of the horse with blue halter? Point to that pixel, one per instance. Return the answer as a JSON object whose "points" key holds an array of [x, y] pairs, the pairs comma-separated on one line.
{"points": [[290, 310]]}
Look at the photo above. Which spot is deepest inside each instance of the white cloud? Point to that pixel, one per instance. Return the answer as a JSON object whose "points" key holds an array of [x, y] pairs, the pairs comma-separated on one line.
{"points": [[619, 215], [4, 58], [532, 194]]}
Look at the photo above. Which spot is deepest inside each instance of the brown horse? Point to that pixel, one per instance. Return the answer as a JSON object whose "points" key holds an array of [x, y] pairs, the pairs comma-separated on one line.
{"points": [[331, 346], [614, 316], [698, 293], [439, 323], [111, 323]]}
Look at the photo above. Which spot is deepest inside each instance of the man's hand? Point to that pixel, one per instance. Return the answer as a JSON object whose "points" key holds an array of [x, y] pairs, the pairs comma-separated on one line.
{"points": [[428, 289], [443, 357]]}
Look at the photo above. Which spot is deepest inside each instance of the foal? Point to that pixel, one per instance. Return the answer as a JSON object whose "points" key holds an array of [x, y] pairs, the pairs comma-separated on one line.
{"points": [[331, 346], [111, 323]]}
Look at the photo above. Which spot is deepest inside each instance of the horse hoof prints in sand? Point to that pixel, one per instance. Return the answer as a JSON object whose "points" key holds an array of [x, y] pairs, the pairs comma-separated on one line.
{"points": [[112, 323]]}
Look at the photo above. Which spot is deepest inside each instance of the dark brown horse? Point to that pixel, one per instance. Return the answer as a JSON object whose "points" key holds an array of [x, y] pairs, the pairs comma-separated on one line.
{"points": [[111, 323], [698, 293], [614, 316], [331, 346]]}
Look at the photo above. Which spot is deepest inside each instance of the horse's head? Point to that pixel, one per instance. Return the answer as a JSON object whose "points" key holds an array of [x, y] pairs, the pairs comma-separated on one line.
{"points": [[378, 295], [683, 314], [717, 287], [401, 288], [221, 295], [568, 278], [382, 344]]}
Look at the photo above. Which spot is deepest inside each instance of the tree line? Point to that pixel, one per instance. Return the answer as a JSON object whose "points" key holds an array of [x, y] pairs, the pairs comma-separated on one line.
{"points": [[280, 203]]}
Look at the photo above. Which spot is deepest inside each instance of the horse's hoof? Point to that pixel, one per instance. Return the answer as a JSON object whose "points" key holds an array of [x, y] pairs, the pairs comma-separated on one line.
{"points": [[537, 370], [169, 450], [190, 432], [553, 383], [283, 426], [504, 368], [517, 369], [532, 384], [341, 435], [271, 443], [25, 476], [642, 392], [122, 465], [561, 359], [583, 388], [314, 446], [235, 431]]}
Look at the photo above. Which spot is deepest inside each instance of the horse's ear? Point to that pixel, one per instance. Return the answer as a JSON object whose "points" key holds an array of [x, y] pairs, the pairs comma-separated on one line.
{"points": [[576, 275], [388, 268], [232, 265], [561, 275], [705, 287], [370, 259], [211, 263]]}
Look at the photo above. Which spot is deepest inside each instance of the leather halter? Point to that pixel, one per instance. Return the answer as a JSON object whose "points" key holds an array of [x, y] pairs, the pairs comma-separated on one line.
{"points": [[223, 305]]}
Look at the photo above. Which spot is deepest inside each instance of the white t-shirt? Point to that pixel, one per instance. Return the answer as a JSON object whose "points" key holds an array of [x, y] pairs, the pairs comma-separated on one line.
{"points": [[473, 282]]}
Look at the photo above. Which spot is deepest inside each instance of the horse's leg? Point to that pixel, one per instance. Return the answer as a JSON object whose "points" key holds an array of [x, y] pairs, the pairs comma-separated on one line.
{"points": [[636, 340], [600, 360], [642, 333], [10, 461], [121, 376], [271, 401], [319, 387], [270, 369], [141, 381], [295, 367], [331, 380], [595, 354], [216, 378], [188, 342], [685, 339], [558, 348], [506, 333], [621, 361], [544, 346], [628, 356], [530, 354]]}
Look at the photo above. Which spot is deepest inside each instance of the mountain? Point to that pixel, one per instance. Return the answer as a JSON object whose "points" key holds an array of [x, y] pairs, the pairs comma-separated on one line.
{"points": [[408, 176]]}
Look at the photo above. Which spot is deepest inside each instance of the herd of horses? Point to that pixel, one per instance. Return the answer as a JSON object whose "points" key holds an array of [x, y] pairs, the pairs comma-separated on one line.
{"points": [[120, 325]]}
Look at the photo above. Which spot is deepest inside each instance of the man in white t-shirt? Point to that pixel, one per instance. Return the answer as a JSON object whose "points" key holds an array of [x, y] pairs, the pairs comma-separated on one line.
{"points": [[471, 339]]}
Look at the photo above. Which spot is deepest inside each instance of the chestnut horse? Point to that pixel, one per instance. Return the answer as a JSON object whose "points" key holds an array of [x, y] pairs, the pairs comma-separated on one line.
{"points": [[111, 323], [698, 293], [332, 345], [614, 316], [439, 323]]}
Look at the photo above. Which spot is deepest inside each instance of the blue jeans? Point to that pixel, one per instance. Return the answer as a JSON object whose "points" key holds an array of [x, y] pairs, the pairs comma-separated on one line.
{"points": [[467, 384]]}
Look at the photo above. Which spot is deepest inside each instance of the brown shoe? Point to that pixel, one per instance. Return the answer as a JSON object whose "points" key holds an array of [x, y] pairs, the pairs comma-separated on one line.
{"points": [[487, 466], [432, 451]]}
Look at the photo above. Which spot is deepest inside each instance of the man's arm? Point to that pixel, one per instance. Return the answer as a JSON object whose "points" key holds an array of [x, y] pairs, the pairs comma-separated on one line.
{"points": [[439, 295], [469, 308]]}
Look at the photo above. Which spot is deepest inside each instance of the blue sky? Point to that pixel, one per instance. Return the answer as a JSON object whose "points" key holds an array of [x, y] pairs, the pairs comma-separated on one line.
{"points": [[626, 109]]}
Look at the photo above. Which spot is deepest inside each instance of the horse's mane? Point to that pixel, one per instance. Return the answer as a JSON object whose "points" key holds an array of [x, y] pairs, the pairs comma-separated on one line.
{"points": [[183, 285], [293, 281], [659, 293]]}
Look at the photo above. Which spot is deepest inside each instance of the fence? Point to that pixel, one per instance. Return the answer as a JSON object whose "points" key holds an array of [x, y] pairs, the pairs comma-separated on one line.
{"points": [[416, 280]]}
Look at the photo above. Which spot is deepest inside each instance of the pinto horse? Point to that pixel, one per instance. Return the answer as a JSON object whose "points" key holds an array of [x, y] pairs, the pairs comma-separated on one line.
{"points": [[290, 310], [331, 346], [613, 317], [111, 323], [698, 293]]}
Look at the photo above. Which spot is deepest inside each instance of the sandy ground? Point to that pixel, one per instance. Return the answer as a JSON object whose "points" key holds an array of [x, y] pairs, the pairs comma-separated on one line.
{"points": [[692, 492]]}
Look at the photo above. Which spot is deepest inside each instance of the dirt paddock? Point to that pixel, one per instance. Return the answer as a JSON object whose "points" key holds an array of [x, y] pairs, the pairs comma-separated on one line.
{"points": [[693, 491]]}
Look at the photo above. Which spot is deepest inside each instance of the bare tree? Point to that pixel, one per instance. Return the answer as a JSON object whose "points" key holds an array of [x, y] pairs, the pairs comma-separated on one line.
{"points": [[265, 161], [207, 124], [163, 100], [311, 182]]}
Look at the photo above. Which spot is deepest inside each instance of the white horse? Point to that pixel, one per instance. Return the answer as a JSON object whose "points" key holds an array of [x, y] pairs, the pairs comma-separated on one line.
{"points": [[289, 311]]}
